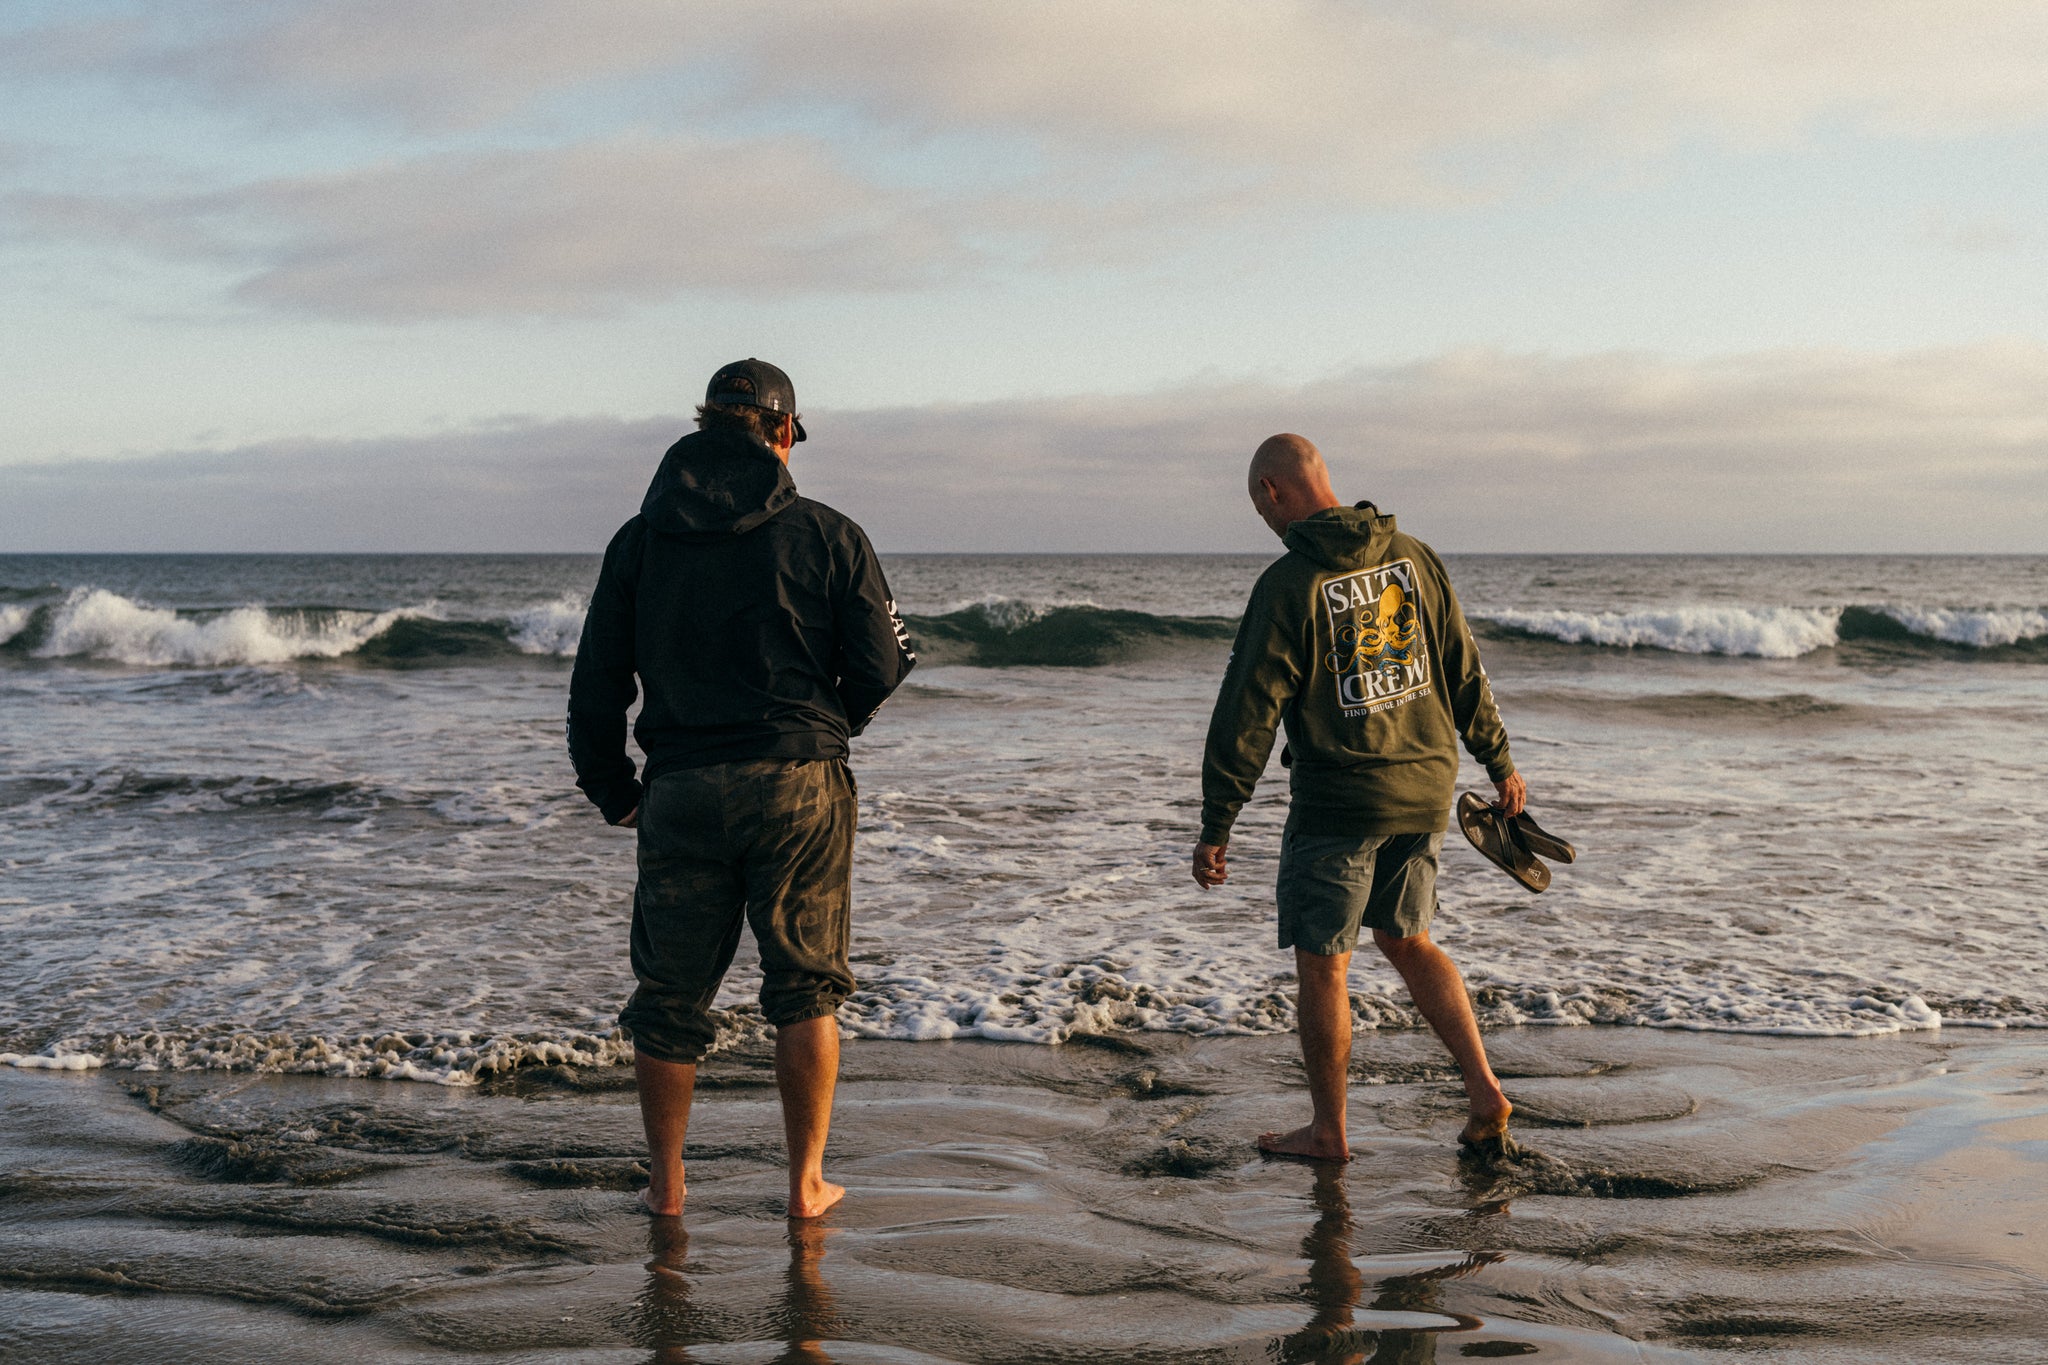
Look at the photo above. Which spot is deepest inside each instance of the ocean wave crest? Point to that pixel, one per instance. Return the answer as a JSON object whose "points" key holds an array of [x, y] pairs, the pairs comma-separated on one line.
{"points": [[1785, 632], [1759, 632], [1991, 628], [106, 627], [995, 631], [1003, 632], [96, 624], [550, 627]]}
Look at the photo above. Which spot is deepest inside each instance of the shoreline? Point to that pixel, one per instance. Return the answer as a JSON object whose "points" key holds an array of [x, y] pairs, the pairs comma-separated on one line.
{"points": [[1871, 1199], [468, 1057]]}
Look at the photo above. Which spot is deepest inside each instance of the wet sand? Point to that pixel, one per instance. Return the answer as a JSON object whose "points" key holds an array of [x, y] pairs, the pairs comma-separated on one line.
{"points": [[1693, 1196]]}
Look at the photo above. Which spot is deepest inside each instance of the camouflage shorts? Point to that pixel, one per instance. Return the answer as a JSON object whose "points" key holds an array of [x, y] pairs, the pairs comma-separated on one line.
{"points": [[765, 842]]}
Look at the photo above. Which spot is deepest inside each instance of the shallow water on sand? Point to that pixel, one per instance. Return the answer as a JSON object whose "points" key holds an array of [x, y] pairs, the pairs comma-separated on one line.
{"points": [[1873, 1200]]}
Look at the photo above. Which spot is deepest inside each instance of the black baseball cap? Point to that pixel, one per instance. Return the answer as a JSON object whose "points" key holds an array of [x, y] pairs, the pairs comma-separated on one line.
{"points": [[754, 383]]}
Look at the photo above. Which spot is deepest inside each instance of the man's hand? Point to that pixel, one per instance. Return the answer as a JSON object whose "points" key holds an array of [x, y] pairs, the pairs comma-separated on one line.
{"points": [[1514, 794], [1210, 869], [632, 820]]}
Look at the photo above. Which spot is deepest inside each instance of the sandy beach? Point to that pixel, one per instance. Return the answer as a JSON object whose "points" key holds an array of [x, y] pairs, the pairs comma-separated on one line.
{"points": [[1816, 1200]]}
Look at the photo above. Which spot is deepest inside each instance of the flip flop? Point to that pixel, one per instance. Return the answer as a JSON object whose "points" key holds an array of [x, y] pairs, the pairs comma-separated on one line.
{"points": [[1542, 842], [1494, 835]]}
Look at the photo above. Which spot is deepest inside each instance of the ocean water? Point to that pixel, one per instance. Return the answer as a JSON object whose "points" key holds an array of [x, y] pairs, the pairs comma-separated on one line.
{"points": [[313, 813]]}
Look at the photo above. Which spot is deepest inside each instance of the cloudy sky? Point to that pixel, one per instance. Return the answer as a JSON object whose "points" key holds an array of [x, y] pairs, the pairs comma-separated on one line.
{"points": [[1536, 274]]}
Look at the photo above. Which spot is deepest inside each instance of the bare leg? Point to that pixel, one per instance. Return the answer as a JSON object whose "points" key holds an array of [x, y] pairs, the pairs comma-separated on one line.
{"points": [[806, 1071], [665, 1092], [1439, 992], [1323, 1011]]}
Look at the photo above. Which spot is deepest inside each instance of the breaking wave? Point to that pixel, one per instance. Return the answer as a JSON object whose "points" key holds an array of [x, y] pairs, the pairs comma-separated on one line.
{"points": [[93, 623], [1001, 632], [551, 627], [1787, 632], [994, 632], [103, 626], [1996, 629], [1764, 633]]}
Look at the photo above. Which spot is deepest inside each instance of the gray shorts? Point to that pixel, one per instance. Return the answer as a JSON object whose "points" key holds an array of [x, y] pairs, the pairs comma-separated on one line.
{"points": [[1331, 884]]}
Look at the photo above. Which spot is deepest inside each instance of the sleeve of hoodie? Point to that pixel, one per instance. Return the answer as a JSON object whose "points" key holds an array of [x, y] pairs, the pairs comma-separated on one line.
{"points": [[1464, 679], [872, 656], [603, 686], [1263, 675]]}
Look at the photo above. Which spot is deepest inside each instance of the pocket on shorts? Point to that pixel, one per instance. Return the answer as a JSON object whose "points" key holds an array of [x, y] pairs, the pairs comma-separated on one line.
{"points": [[672, 815], [793, 796]]}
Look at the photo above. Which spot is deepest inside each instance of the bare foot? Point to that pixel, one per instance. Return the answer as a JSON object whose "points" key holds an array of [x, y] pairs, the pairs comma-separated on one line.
{"points": [[668, 1206], [813, 1197], [1306, 1143], [1487, 1130]]}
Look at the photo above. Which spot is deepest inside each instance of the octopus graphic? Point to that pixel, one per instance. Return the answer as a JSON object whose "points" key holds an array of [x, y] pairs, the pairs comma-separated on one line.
{"points": [[1379, 640]]}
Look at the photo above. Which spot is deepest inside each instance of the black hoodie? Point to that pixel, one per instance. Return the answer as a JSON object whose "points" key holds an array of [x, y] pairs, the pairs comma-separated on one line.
{"points": [[757, 621]]}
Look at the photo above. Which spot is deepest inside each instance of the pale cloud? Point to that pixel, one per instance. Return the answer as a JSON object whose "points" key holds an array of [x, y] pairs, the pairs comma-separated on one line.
{"points": [[1938, 450], [557, 230], [555, 157], [1361, 95], [1981, 235]]}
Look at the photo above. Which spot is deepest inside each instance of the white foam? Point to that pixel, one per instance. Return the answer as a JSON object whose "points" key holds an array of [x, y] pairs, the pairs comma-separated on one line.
{"points": [[1002, 1002], [1757, 632], [97, 624], [45, 1061], [1985, 629], [13, 620], [459, 1058], [550, 627]]}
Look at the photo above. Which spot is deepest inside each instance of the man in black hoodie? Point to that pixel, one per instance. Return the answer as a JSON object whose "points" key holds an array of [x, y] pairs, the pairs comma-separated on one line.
{"points": [[762, 636]]}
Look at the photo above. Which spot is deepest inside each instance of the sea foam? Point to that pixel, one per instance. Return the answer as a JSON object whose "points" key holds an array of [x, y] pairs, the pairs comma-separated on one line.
{"points": [[1758, 632], [13, 620], [550, 627], [97, 624], [1990, 628], [457, 1058], [52, 1061], [1780, 632]]}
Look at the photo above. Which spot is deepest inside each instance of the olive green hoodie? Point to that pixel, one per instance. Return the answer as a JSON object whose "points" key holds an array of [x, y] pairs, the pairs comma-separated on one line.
{"points": [[1355, 640]]}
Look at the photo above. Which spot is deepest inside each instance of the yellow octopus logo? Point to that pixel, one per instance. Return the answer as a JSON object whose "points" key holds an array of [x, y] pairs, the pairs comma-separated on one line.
{"points": [[1381, 639]]}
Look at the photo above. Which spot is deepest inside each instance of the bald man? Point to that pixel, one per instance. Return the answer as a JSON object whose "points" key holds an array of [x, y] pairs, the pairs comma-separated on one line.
{"points": [[1355, 641]]}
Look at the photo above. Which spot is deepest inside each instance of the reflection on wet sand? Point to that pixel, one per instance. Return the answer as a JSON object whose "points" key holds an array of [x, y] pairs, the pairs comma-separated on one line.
{"points": [[1334, 1334], [1030, 1204], [805, 1319]]}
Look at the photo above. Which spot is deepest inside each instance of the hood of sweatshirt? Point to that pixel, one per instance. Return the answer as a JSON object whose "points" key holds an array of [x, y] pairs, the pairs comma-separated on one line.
{"points": [[1342, 538], [716, 483]]}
